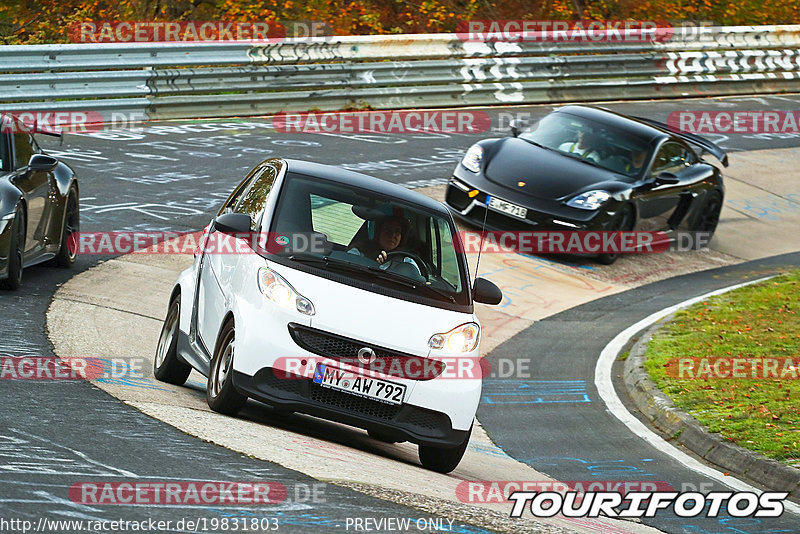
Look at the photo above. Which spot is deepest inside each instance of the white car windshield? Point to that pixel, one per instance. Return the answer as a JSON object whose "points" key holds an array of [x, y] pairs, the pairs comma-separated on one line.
{"points": [[361, 234]]}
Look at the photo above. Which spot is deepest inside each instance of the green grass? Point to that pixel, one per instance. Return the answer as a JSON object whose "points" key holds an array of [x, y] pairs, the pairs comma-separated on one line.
{"points": [[756, 321]]}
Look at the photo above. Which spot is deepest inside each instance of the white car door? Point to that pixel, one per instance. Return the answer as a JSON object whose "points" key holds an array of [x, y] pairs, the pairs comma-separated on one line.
{"points": [[220, 263]]}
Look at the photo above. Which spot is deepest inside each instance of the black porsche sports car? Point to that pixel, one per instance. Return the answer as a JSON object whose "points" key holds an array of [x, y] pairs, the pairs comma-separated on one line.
{"points": [[38, 206], [586, 168]]}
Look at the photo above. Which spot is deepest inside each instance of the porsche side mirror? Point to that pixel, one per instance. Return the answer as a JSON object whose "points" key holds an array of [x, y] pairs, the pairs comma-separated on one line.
{"points": [[233, 223], [666, 178], [486, 292], [42, 162], [516, 126]]}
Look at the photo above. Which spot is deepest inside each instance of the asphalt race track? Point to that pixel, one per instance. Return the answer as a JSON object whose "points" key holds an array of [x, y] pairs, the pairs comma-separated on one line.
{"points": [[172, 176]]}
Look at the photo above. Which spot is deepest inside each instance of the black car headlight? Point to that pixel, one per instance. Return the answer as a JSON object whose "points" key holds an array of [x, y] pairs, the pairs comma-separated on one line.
{"points": [[590, 200]]}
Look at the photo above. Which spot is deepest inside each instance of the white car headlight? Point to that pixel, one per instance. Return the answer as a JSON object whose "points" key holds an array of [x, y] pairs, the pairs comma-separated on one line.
{"points": [[279, 291], [460, 339], [472, 159], [590, 200]]}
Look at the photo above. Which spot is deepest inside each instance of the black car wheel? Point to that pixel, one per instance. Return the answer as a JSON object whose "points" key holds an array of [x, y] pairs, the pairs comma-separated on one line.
{"points": [[167, 367], [16, 251], [221, 396], [623, 221], [68, 248], [443, 460], [708, 216]]}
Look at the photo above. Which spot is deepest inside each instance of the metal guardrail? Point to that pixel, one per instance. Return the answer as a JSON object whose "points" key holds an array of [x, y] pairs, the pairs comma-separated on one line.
{"points": [[184, 80]]}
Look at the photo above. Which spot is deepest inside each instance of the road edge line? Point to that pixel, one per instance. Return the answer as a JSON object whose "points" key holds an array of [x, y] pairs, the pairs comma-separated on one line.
{"points": [[605, 388], [712, 447]]}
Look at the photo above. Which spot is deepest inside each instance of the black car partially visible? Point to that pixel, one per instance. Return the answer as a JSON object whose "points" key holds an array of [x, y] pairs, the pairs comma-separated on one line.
{"points": [[586, 168], [39, 205]]}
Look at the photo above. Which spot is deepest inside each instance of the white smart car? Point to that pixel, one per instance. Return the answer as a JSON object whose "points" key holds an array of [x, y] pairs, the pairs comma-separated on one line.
{"points": [[335, 294]]}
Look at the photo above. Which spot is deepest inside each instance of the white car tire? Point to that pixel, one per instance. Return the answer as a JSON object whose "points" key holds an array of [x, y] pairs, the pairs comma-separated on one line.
{"points": [[221, 395]]}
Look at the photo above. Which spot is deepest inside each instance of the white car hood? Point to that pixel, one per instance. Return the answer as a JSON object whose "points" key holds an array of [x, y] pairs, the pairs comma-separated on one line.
{"points": [[371, 317]]}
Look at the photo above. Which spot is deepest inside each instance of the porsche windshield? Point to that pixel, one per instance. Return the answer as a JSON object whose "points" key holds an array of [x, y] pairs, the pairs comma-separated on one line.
{"points": [[592, 142], [360, 234]]}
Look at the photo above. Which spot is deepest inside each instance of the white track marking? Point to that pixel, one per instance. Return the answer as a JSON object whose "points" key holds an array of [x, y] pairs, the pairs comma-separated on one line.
{"points": [[605, 388]]}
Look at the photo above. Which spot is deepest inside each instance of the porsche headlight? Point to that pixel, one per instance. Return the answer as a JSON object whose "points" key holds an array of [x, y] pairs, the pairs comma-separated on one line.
{"points": [[279, 291], [591, 200], [460, 339], [472, 159]]}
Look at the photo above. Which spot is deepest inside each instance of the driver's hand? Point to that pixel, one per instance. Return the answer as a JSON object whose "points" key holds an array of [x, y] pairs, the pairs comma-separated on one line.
{"points": [[381, 257]]}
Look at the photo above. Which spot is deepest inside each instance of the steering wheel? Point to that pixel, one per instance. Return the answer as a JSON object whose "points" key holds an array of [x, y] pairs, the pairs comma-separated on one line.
{"points": [[423, 268]]}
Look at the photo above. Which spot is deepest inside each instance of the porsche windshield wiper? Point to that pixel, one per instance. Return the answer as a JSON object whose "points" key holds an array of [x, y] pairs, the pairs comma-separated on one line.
{"points": [[531, 141], [584, 160]]}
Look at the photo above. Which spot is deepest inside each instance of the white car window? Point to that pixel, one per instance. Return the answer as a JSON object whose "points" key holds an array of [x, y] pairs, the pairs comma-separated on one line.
{"points": [[255, 198], [334, 219]]}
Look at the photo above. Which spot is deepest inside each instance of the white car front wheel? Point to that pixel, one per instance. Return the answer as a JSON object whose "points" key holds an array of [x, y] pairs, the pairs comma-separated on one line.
{"points": [[221, 395]]}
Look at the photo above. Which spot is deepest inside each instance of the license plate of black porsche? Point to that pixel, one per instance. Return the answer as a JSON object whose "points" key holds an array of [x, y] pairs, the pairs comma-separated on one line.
{"points": [[507, 207], [355, 384]]}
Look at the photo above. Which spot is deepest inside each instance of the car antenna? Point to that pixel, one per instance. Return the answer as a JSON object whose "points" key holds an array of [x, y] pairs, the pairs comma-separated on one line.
{"points": [[483, 233]]}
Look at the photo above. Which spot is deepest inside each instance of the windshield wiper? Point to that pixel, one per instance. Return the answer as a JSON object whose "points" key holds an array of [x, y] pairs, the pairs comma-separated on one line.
{"points": [[439, 292], [374, 271], [399, 278], [584, 160], [328, 261], [531, 141], [354, 267]]}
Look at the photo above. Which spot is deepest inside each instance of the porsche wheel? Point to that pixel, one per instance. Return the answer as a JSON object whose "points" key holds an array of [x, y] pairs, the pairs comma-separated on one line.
{"points": [[68, 250], [708, 217], [623, 221], [15, 251]]}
